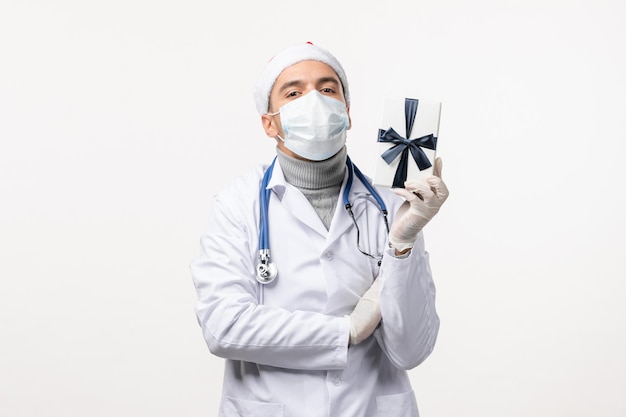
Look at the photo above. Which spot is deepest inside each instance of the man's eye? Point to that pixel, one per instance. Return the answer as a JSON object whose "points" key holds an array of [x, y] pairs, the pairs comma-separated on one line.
{"points": [[327, 90], [292, 94]]}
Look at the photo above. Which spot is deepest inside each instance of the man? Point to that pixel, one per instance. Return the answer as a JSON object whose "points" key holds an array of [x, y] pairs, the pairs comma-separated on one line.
{"points": [[351, 307]]}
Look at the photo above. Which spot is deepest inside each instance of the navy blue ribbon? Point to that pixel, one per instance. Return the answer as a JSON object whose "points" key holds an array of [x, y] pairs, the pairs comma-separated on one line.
{"points": [[402, 146]]}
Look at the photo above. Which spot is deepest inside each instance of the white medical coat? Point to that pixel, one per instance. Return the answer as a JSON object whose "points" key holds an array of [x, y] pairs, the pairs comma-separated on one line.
{"points": [[286, 343]]}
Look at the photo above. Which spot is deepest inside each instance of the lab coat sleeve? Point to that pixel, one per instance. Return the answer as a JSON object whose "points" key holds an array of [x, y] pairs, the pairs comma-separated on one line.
{"points": [[410, 322], [234, 324]]}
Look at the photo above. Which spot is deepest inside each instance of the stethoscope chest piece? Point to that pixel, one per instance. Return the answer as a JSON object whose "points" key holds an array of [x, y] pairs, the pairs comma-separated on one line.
{"points": [[266, 272]]}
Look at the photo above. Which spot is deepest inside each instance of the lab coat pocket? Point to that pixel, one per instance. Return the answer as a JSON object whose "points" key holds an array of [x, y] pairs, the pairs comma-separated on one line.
{"points": [[235, 407], [397, 405]]}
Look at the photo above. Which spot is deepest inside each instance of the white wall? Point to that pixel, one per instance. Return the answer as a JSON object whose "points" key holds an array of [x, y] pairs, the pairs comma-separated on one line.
{"points": [[120, 119]]}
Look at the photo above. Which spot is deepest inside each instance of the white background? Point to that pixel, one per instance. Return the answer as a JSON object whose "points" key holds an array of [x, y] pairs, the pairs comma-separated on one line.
{"points": [[120, 119]]}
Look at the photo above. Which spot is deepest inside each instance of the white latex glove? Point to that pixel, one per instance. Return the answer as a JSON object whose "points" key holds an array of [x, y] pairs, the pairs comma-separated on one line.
{"points": [[366, 315], [423, 200]]}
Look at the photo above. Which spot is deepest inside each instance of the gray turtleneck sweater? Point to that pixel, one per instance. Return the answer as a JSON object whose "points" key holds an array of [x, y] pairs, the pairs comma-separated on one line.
{"points": [[320, 182]]}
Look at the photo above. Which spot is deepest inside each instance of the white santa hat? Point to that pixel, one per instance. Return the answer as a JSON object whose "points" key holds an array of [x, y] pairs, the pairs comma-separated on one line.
{"points": [[288, 57]]}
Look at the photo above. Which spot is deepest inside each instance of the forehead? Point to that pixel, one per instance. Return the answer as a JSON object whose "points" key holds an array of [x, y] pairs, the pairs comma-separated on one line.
{"points": [[305, 71]]}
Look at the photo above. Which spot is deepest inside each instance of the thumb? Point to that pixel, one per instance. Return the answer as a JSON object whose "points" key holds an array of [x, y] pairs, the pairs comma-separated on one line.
{"points": [[437, 168]]}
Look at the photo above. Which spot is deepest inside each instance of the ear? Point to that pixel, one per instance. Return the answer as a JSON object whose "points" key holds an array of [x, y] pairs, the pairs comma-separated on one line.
{"points": [[269, 125], [349, 118]]}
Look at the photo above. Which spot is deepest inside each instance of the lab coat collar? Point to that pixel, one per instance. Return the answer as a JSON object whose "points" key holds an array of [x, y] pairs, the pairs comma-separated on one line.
{"points": [[277, 182], [294, 201], [297, 204]]}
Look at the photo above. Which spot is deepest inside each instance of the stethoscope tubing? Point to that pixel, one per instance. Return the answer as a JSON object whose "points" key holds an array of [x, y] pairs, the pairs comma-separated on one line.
{"points": [[266, 270], [265, 200]]}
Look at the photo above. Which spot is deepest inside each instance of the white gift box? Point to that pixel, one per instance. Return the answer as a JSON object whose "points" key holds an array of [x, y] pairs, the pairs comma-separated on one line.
{"points": [[422, 137]]}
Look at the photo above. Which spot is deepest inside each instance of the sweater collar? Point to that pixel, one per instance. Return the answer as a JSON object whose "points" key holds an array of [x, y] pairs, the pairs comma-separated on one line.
{"points": [[313, 175]]}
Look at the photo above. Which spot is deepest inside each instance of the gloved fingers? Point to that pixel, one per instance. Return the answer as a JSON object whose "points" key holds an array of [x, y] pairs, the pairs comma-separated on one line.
{"points": [[437, 167], [414, 188], [420, 188], [438, 187], [407, 195], [366, 315], [412, 197]]}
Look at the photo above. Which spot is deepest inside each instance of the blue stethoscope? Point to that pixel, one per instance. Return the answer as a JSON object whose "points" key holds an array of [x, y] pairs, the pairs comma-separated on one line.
{"points": [[266, 270]]}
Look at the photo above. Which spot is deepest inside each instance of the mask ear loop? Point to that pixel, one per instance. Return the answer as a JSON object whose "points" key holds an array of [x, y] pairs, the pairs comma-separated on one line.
{"points": [[274, 114]]}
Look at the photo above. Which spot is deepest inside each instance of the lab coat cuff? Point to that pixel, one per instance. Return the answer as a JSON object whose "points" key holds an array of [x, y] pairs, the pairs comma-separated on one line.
{"points": [[390, 252], [397, 269], [343, 341]]}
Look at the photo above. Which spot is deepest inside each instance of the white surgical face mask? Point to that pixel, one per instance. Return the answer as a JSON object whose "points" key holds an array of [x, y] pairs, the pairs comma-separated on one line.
{"points": [[315, 126]]}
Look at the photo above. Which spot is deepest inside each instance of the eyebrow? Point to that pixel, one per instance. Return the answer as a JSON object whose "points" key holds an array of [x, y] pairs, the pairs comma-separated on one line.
{"points": [[296, 83]]}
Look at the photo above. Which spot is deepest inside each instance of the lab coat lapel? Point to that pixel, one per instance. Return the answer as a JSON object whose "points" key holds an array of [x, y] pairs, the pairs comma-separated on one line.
{"points": [[295, 203], [342, 220]]}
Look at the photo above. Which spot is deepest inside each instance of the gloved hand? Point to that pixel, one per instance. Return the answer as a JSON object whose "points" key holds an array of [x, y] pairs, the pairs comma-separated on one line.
{"points": [[423, 200], [366, 315]]}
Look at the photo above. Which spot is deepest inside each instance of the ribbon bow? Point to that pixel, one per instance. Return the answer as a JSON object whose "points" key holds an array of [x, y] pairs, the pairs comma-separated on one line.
{"points": [[403, 145]]}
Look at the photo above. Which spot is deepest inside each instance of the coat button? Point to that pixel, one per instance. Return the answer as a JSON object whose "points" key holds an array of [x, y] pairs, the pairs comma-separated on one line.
{"points": [[336, 381], [329, 256]]}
